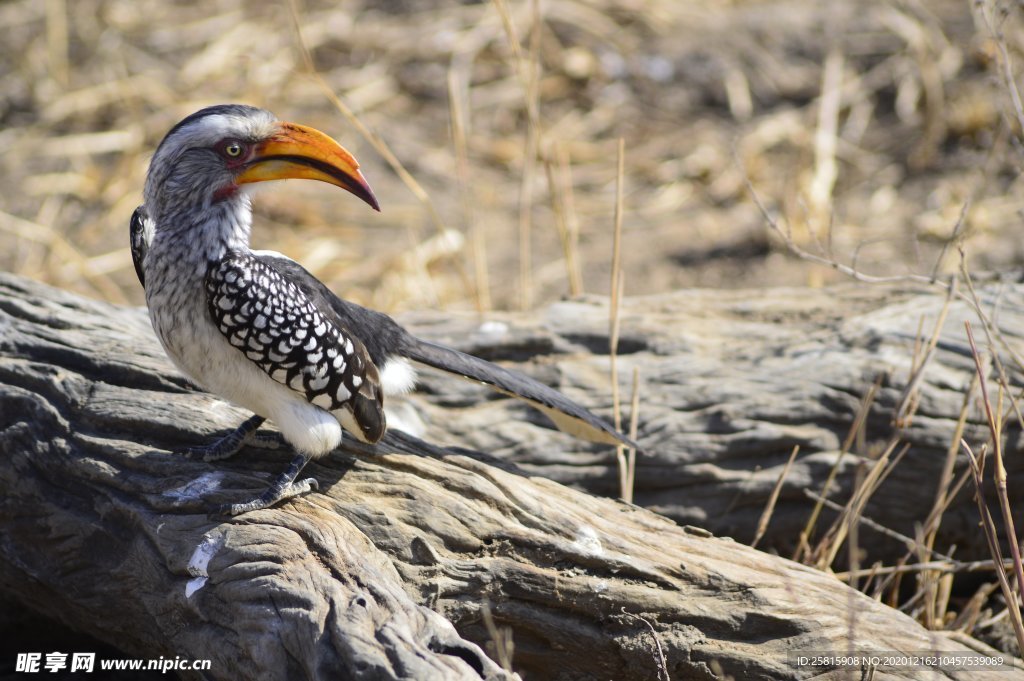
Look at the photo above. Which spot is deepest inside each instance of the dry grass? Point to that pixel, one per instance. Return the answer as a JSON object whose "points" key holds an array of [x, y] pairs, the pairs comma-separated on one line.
{"points": [[938, 601], [873, 135], [940, 598], [506, 116]]}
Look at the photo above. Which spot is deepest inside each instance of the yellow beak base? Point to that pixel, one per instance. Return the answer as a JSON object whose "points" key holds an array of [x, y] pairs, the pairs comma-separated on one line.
{"points": [[300, 152]]}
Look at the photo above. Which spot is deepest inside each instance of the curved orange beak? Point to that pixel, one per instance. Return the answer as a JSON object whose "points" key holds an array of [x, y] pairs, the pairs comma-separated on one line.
{"points": [[299, 152]]}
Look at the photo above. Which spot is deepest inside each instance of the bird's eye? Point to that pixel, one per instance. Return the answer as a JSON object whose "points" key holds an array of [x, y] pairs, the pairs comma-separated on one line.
{"points": [[232, 149]]}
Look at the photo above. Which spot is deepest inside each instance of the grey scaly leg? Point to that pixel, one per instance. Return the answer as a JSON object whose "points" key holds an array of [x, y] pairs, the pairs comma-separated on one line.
{"points": [[230, 444], [284, 487]]}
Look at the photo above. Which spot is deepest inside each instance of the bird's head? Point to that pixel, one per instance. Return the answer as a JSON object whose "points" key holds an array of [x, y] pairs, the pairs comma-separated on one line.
{"points": [[215, 154]]}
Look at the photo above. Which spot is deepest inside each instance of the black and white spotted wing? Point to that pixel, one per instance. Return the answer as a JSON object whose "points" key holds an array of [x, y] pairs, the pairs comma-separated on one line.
{"points": [[276, 325], [385, 339]]}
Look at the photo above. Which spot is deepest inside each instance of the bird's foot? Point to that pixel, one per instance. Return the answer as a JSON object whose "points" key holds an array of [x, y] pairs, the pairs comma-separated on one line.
{"points": [[266, 500], [232, 443], [284, 487]]}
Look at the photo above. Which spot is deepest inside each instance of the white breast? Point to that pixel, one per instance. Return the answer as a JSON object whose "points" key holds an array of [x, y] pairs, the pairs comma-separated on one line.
{"points": [[177, 309]]}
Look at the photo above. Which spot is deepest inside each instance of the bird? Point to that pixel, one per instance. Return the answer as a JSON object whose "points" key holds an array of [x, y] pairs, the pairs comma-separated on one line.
{"points": [[258, 329]]}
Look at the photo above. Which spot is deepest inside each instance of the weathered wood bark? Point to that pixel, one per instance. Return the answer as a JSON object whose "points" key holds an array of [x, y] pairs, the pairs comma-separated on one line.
{"points": [[731, 381], [104, 527]]}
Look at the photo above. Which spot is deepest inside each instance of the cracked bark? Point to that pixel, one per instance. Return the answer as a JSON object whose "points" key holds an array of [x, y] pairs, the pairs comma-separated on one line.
{"points": [[730, 382], [383, 573]]}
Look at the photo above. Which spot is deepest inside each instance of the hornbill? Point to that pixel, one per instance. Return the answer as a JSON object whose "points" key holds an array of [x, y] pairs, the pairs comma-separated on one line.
{"points": [[257, 328]]}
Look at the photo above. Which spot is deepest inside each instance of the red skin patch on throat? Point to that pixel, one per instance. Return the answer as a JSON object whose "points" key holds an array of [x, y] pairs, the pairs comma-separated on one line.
{"points": [[225, 192]]}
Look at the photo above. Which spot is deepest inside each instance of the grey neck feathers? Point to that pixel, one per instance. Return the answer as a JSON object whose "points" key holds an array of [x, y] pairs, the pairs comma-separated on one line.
{"points": [[202, 234]]}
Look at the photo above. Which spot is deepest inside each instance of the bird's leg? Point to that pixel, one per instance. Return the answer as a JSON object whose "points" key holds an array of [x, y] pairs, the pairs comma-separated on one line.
{"points": [[284, 487], [230, 444]]}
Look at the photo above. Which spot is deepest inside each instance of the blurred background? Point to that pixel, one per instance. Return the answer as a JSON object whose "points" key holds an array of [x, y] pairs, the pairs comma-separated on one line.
{"points": [[864, 127]]}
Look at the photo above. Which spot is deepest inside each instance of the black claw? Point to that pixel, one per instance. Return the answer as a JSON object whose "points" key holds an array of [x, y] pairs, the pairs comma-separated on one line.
{"points": [[284, 487]]}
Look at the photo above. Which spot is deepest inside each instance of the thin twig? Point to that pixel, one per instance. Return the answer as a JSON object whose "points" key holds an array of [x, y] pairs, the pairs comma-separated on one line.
{"points": [[878, 527], [855, 507], [528, 71], [944, 566], [858, 423], [995, 426], [478, 245], [617, 284], [558, 191], [953, 238], [794, 248], [904, 406], [773, 498], [1009, 81], [989, 526], [375, 140], [572, 222], [999, 472], [660, 659]]}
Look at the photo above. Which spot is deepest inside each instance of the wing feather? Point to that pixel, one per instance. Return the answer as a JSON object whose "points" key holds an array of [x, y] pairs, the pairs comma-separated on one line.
{"points": [[389, 339], [270, 319]]}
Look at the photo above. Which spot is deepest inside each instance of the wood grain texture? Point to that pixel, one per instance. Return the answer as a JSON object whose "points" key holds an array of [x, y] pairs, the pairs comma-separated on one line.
{"points": [[730, 382], [384, 572]]}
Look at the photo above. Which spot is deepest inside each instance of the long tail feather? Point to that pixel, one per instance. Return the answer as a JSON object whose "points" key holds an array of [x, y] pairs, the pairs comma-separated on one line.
{"points": [[566, 414]]}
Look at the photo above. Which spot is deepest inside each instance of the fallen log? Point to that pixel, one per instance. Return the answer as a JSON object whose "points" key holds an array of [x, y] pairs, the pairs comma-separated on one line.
{"points": [[409, 562], [732, 381]]}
